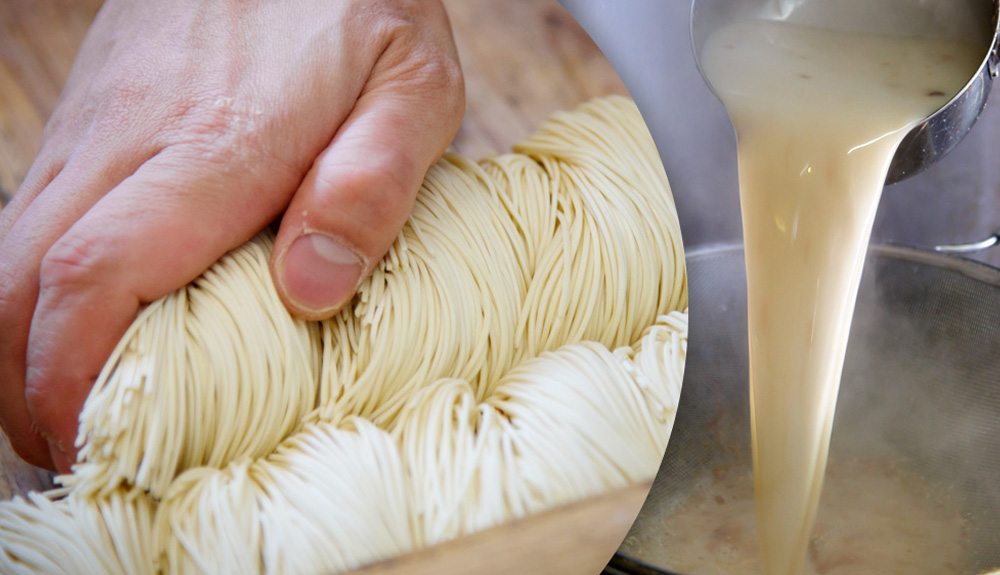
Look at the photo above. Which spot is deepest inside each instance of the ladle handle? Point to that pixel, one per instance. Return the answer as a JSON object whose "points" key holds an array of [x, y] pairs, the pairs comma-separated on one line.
{"points": [[991, 241]]}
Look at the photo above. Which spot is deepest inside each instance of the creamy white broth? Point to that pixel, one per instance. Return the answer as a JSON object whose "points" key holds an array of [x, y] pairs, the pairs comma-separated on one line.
{"points": [[818, 115], [876, 518]]}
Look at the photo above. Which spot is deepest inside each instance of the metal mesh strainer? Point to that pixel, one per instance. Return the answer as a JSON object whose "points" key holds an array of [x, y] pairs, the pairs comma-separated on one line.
{"points": [[921, 387]]}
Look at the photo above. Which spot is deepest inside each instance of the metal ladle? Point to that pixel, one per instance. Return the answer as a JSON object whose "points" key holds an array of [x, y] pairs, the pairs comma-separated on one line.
{"points": [[933, 138]]}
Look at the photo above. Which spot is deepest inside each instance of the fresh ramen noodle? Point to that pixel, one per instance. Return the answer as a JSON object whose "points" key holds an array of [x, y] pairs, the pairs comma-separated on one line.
{"points": [[520, 346]]}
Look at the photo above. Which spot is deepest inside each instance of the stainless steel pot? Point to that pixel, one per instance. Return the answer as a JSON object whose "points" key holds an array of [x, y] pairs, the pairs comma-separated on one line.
{"points": [[921, 386]]}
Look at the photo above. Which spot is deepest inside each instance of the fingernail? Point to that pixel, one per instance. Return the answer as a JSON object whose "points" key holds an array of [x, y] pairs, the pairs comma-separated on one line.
{"points": [[319, 273]]}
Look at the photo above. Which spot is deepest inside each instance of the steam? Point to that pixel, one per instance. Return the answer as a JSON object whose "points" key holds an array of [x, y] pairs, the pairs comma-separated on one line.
{"points": [[921, 384], [921, 390]]}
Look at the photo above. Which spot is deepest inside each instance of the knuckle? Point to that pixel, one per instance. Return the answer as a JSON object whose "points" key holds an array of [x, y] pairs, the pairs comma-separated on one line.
{"points": [[420, 33], [74, 261], [401, 17], [129, 93], [222, 131], [421, 60], [61, 128], [124, 97], [380, 198], [385, 173], [212, 118], [43, 171], [438, 75]]}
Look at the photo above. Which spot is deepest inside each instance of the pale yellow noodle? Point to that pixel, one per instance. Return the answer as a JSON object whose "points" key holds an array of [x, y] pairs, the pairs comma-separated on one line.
{"points": [[520, 346]]}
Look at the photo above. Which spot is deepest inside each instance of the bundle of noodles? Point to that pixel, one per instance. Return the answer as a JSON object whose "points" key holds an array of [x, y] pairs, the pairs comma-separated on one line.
{"points": [[520, 346]]}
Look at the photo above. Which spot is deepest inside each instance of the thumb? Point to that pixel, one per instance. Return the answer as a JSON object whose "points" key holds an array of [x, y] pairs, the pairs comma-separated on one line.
{"points": [[357, 196]]}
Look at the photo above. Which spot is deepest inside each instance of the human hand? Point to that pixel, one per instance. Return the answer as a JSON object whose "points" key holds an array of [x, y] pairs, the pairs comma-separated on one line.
{"points": [[184, 128]]}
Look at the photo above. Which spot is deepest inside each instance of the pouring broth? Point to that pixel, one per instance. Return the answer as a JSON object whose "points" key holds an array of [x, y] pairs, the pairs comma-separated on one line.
{"points": [[818, 115], [877, 518]]}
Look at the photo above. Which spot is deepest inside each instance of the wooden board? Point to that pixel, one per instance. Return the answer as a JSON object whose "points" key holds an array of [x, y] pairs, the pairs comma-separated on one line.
{"points": [[575, 539], [523, 60]]}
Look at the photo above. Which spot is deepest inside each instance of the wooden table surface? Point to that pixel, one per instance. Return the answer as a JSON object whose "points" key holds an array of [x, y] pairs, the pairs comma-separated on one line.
{"points": [[522, 59]]}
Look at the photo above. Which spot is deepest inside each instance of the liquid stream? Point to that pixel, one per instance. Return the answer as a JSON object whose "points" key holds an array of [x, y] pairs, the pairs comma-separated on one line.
{"points": [[818, 115]]}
